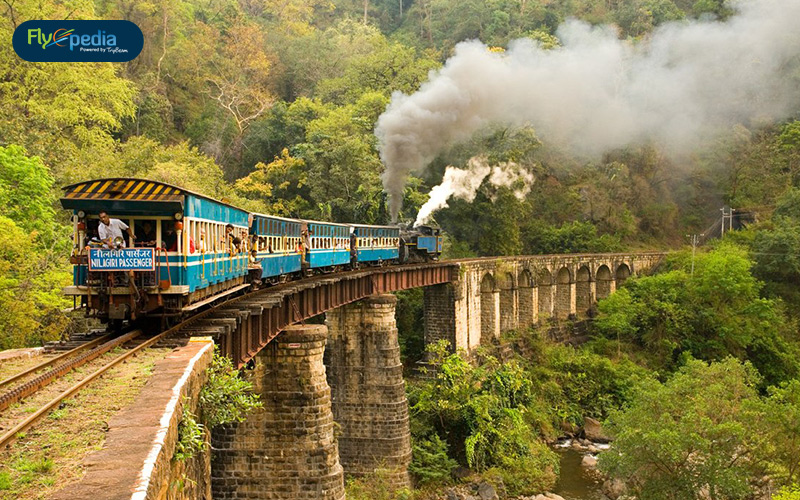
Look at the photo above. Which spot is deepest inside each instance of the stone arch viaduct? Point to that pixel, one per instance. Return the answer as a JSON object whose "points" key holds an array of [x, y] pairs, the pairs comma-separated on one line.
{"points": [[349, 371], [333, 394]]}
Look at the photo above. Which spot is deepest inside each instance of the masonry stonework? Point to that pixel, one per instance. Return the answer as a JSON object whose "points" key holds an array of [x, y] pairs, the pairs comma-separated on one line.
{"points": [[368, 392], [287, 449], [486, 299]]}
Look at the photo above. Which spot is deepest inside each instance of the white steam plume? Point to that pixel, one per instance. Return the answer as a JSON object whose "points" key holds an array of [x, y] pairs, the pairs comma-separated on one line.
{"points": [[464, 184], [597, 93]]}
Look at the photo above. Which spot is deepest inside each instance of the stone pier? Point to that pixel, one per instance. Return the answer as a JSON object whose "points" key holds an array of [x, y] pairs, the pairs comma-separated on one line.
{"points": [[366, 379], [287, 449]]}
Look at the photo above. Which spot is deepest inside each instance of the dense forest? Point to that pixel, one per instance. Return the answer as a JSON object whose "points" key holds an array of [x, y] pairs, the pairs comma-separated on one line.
{"points": [[272, 105]]}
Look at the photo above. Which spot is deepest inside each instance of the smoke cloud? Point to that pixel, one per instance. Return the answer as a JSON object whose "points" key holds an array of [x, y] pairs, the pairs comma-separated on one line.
{"points": [[597, 93], [464, 184]]}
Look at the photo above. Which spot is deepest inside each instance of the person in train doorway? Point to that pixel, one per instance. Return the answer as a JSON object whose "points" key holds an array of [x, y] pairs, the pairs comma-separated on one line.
{"points": [[254, 269], [111, 229], [305, 241]]}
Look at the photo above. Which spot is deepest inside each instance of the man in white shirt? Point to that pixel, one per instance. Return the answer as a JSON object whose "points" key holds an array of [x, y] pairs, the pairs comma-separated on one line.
{"points": [[109, 229]]}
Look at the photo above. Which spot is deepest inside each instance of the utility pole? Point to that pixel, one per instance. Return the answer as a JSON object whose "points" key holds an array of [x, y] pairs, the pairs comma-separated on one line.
{"points": [[695, 239], [728, 216], [722, 226]]}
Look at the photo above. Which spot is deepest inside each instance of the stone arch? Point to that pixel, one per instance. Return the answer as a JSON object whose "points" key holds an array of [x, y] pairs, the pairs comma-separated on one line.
{"points": [[508, 303], [604, 281], [583, 290], [622, 274], [563, 305], [489, 308], [544, 282], [526, 307]]}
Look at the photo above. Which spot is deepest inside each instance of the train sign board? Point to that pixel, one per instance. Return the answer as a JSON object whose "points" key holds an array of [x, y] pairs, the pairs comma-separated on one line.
{"points": [[123, 259]]}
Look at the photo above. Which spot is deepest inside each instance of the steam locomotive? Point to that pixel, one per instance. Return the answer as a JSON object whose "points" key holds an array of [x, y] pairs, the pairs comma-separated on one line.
{"points": [[188, 250]]}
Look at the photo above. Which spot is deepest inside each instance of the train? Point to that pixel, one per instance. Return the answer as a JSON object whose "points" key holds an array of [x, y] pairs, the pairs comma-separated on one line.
{"points": [[182, 251]]}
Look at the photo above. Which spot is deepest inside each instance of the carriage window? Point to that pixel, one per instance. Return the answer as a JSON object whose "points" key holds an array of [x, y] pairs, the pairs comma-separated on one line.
{"points": [[145, 231], [169, 238]]}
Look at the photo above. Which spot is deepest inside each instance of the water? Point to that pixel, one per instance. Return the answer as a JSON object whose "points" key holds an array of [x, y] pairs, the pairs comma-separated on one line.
{"points": [[575, 481]]}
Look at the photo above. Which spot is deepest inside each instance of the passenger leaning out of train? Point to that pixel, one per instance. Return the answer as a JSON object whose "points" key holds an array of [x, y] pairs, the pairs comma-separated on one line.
{"points": [[232, 242], [110, 229]]}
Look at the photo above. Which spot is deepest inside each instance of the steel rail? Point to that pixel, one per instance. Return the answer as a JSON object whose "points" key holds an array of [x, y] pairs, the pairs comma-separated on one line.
{"points": [[52, 361], [9, 436], [33, 385]]}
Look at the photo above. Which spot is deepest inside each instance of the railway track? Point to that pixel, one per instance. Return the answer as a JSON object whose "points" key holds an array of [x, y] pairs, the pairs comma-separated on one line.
{"points": [[63, 364]]}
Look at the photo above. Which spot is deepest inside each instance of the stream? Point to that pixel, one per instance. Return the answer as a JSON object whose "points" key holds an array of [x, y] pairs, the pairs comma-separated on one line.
{"points": [[575, 481]]}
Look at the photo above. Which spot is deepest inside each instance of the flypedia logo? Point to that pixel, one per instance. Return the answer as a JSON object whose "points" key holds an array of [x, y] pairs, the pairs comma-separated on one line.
{"points": [[86, 41], [101, 39]]}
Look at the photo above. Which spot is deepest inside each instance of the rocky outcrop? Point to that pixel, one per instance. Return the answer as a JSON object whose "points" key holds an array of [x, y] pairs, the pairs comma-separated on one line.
{"points": [[593, 430]]}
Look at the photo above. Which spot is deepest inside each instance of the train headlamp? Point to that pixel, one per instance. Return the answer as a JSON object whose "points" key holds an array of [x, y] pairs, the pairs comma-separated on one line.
{"points": [[81, 214], [118, 242], [178, 215]]}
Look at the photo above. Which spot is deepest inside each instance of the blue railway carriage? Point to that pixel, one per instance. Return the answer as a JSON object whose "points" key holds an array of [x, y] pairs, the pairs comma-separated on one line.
{"points": [[326, 245], [181, 258], [278, 245], [376, 244]]}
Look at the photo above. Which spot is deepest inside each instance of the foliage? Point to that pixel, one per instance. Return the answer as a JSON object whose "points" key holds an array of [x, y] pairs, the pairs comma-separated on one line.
{"points": [[776, 246], [714, 313], [430, 462], [788, 493], [483, 413], [574, 237], [697, 432], [56, 110], [537, 471], [191, 436], [376, 486], [782, 431], [226, 397], [25, 193], [588, 384], [410, 321], [33, 246]]}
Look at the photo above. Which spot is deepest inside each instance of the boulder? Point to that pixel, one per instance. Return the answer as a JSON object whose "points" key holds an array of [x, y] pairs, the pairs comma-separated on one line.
{"points": [[593, 430], [589, 461], [569, 428], [553, 496], [487, 492], [614, 488]]}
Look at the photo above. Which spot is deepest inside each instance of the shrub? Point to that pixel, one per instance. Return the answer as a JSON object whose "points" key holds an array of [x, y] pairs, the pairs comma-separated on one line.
{"points": [[226, 397], [191, 436], [430, 462]]}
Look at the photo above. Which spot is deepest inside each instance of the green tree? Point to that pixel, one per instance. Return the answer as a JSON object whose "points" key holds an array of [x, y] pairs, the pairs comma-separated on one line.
{"points": [[484, 413], [782, 431], [714, 313], [281, 185], [26, 193], [695, 436]]}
